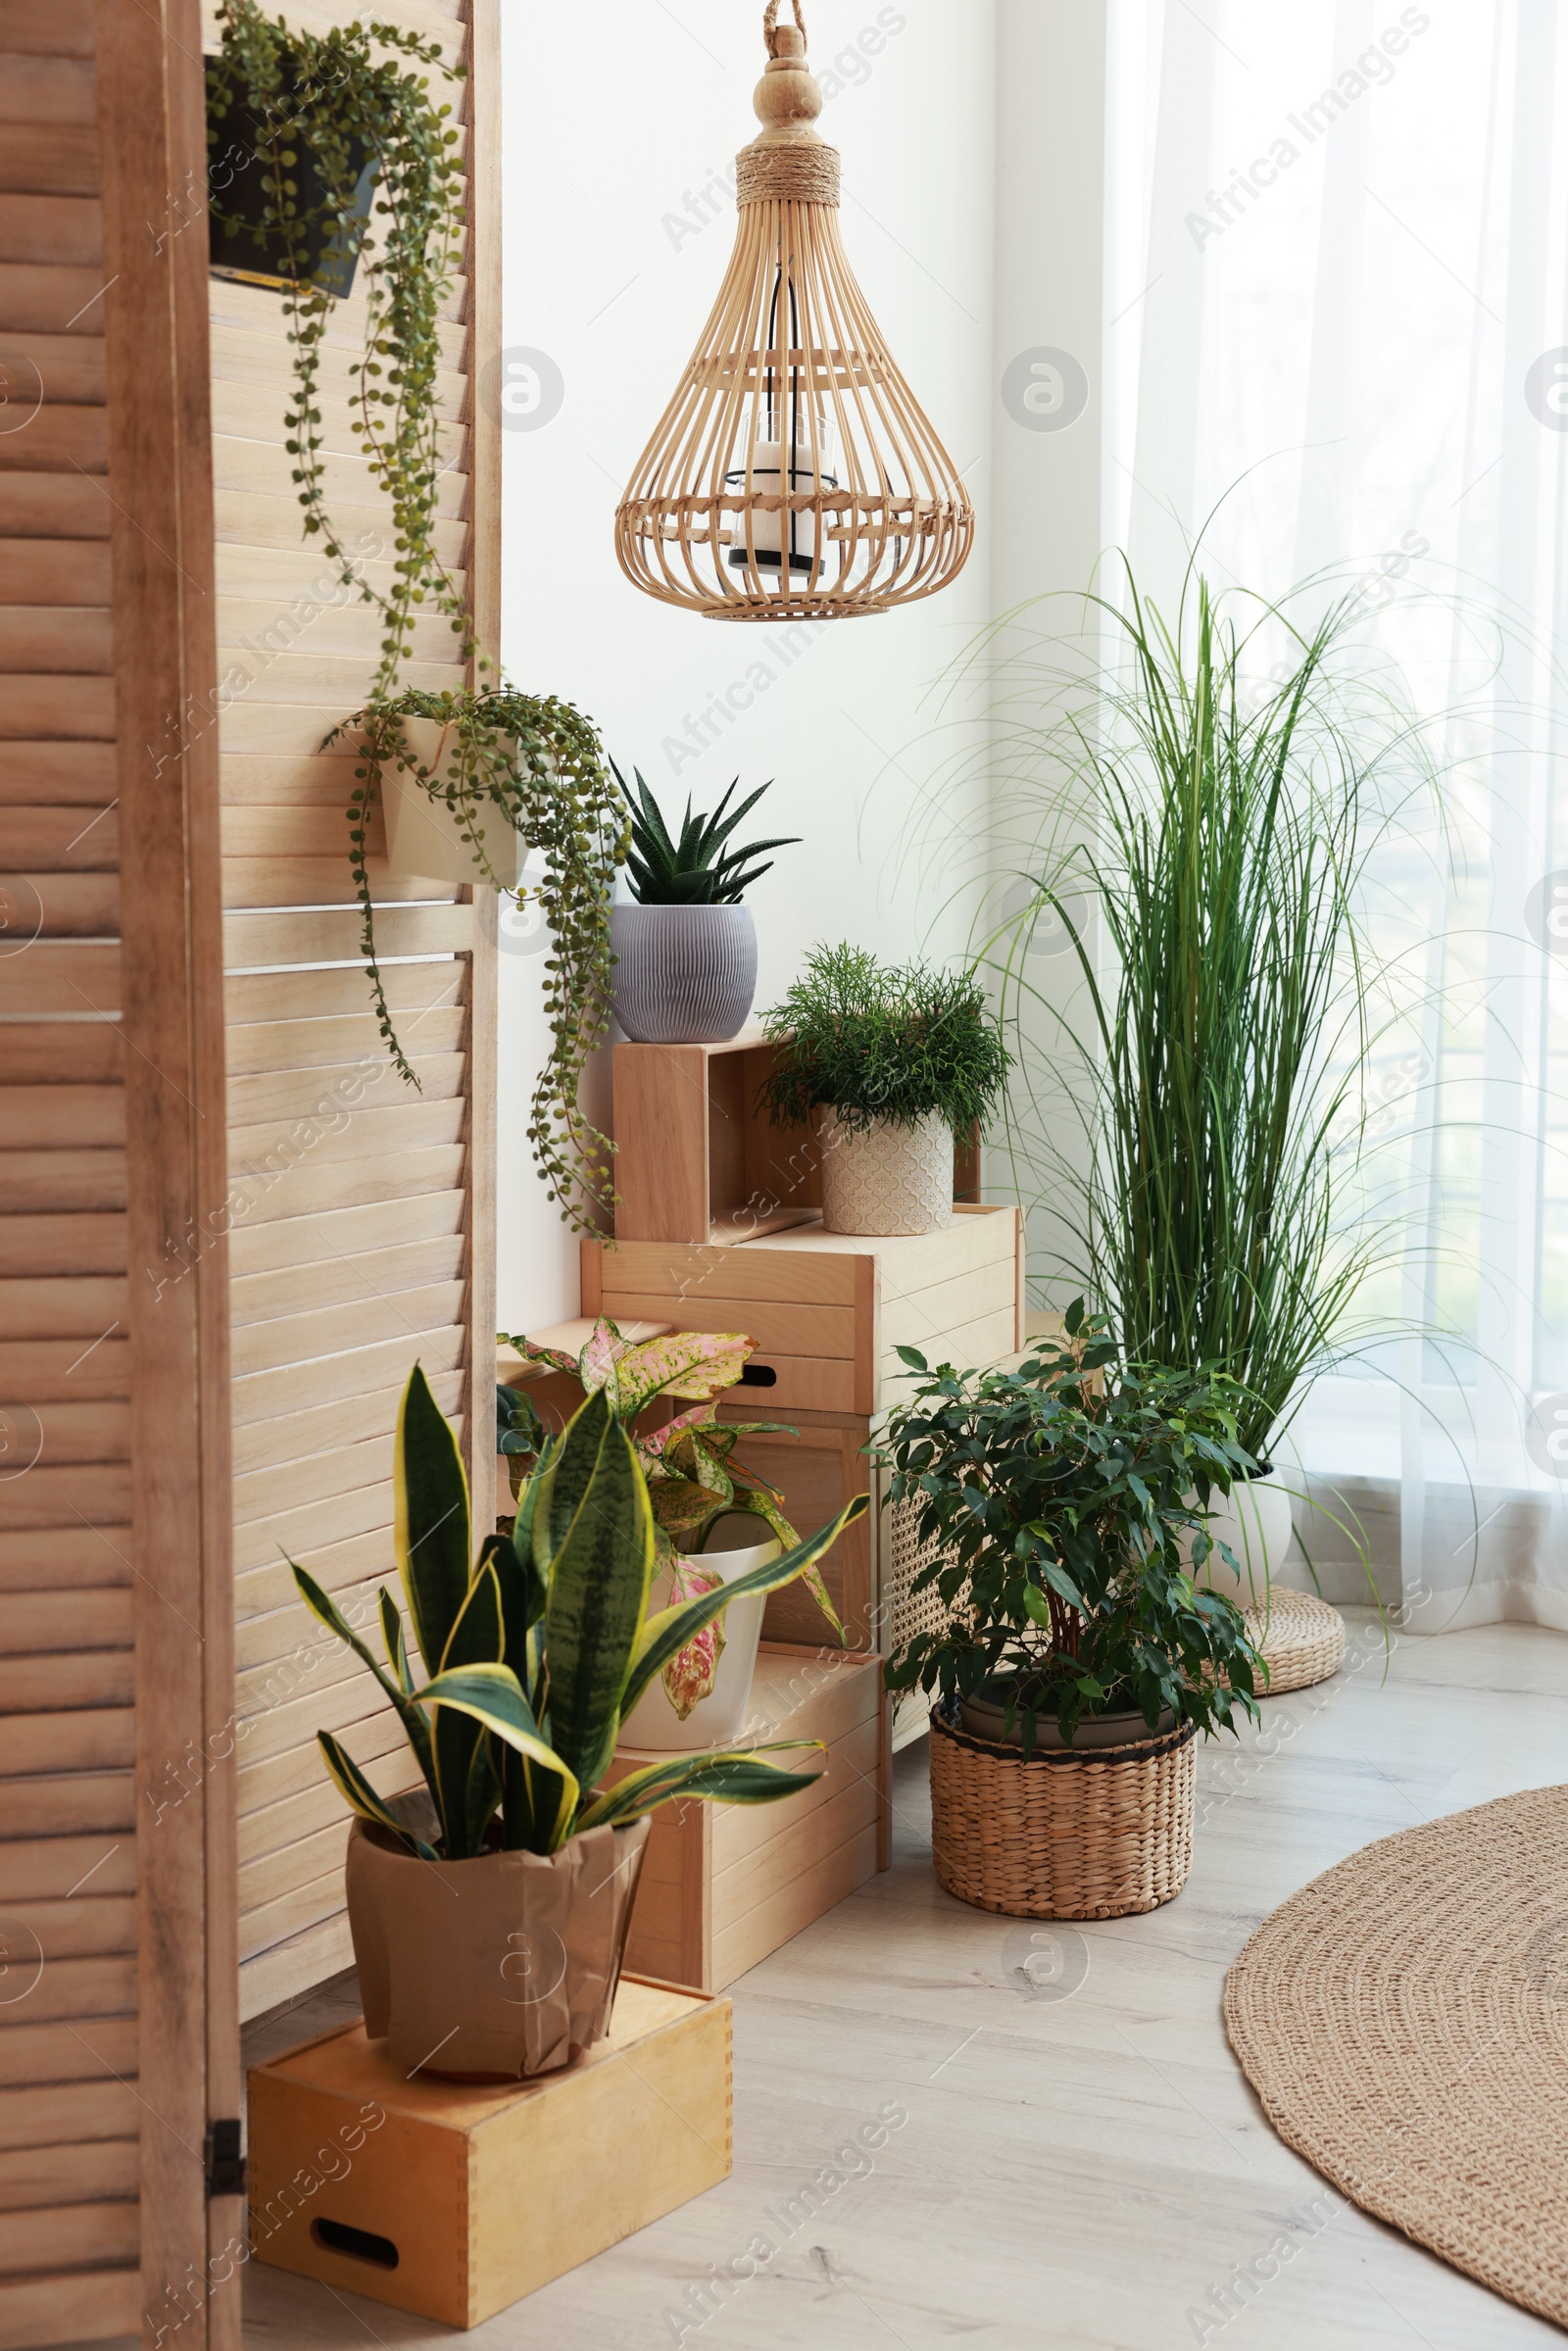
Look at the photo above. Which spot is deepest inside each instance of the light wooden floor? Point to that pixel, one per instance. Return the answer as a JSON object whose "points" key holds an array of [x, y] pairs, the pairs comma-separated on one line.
{"points": [[1074, 2170]]}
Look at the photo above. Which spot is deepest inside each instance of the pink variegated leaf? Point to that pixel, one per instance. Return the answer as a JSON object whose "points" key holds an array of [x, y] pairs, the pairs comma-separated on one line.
{"points": [[681, 1506], [650, 1448], [694, 1364], [691, 1456], [755, 1483], [691, 1672], [552, 1356], [598, 1365]]}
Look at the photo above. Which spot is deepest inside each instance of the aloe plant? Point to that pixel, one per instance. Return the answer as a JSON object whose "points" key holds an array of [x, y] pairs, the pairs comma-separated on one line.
{"points": [[699, 869], [533, 1655]]}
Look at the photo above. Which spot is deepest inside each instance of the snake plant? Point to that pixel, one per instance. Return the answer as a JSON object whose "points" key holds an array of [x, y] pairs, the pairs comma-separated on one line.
{"points": [[533, 1655]]}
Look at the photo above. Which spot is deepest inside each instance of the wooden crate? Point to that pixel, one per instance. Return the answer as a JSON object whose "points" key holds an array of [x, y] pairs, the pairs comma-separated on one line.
{"points": [[452, 2200], [827, 1311], [871, 1574], [725, 1884], [698, 1161]]}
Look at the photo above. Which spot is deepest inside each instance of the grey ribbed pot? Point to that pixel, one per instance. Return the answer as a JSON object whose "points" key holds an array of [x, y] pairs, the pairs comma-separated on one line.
{"points": [[684, 975]]}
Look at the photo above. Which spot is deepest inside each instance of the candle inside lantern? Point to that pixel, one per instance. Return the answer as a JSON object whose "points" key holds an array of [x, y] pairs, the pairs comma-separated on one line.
{"points": [[767, 532]]}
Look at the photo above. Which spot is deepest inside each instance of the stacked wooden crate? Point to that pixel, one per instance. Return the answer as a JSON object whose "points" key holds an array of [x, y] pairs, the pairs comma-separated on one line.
{"points": [[721, 1230]]}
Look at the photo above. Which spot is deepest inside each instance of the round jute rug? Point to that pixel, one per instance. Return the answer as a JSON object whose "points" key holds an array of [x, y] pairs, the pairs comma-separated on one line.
{"points": [[1405, 2021]]}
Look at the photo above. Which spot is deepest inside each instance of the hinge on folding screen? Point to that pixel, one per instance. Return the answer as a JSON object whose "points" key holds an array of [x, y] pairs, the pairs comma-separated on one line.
{"points": [[226, 2165]]}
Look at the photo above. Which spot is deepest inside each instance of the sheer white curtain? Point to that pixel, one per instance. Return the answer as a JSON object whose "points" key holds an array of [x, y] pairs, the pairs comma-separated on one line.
{"points": [[1336, 252]]}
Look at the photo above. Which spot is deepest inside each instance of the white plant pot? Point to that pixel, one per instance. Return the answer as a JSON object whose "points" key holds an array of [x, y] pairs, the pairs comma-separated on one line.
{"points": [[890, 1180], [1254, 1519], [719, 1719], [424, 841]]}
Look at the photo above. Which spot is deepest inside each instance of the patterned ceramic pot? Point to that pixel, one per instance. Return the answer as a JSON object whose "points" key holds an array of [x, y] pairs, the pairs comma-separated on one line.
{"points": [[890, 1180], [684, 975]]}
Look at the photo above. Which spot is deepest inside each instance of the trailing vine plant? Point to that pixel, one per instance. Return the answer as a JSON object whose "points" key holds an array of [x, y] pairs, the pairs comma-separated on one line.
{"points": [[539, 761], [333, 99], [314, 113]]}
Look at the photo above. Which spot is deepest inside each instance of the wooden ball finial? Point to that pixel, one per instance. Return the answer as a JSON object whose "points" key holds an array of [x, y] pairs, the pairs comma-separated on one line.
{"points": [[788, 98]]}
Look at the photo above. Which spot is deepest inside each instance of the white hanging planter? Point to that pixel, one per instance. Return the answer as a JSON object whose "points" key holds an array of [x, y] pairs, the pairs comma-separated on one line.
{"points": [[719, 1719], [424, 838]]}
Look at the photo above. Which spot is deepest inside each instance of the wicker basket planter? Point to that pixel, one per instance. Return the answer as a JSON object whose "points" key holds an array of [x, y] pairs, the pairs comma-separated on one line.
{"points": [[1071, 1834]]}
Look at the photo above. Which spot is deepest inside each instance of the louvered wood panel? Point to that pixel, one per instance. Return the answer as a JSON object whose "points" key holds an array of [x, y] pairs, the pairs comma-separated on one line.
{"points": [[360, 1224], [115, 1624], [67, 1634]]}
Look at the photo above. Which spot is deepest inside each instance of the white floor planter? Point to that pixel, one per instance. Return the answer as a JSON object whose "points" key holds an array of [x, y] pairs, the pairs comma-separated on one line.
{"points": [[890, 1180], [719, 1719], [1255, 1521], [424, 841]]}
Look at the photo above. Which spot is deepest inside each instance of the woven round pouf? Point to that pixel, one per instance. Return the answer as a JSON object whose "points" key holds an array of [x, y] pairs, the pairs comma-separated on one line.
{"points": [[1093, 1833], [1302, 1639], [1405, 2021]]}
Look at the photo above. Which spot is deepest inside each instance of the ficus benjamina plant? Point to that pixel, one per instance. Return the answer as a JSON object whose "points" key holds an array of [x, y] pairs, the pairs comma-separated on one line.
{"points": [[533, 1655], [1057, 1500]]}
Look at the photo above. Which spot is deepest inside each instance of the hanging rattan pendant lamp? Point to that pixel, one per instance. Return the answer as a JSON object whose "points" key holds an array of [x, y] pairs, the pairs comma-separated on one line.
{"points": [[794, 475]]}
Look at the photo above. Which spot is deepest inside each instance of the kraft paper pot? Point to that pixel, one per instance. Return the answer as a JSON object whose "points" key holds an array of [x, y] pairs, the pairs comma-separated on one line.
{"points": [[495, 1969]]}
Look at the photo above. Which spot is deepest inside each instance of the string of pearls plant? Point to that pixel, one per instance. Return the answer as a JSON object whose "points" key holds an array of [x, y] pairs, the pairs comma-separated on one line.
{"points": [[317, 115], [540, 762], [333, 96]]}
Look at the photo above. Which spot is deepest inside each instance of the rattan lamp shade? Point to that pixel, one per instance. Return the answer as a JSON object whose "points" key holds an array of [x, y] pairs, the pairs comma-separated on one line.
{"points": [[794, 475]]}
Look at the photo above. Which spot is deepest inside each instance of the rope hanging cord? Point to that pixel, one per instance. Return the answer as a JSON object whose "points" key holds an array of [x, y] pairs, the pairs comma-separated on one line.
{"points": [[770, 24]]}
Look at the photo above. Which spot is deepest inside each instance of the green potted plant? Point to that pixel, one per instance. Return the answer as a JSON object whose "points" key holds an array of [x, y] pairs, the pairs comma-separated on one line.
{"points": [[714, 1521], [1219, 821], [1079, 1661], [489, 1908], [686, 948], [471, 782], [897, 1060], [298, 125]]}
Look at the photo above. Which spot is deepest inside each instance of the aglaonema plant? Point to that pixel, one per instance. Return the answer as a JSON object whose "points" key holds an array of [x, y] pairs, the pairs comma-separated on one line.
{"points": [[693, 1476], [533, 1654]]}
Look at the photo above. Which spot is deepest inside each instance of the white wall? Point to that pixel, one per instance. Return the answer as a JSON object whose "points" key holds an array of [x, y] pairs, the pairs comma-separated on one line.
{"points": [[1048, 515], [616, 115]]}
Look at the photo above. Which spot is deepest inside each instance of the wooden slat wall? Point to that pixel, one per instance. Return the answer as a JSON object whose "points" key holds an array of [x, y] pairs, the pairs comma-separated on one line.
{"points": [[116, 1871], [361, 1217]]}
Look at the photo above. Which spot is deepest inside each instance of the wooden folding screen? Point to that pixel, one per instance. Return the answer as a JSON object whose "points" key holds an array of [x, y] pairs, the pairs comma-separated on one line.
{"points": [[360, 1227], [117, 2026], [188, 1158]]}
